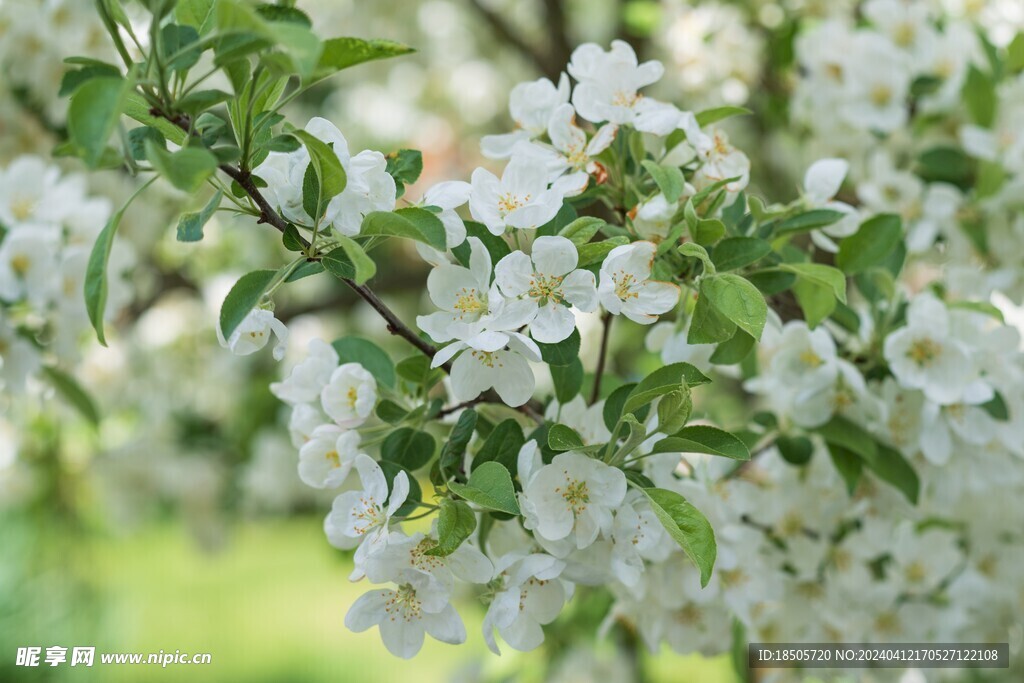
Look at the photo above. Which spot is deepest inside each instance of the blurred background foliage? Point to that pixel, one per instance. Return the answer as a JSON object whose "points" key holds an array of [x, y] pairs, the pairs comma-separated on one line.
{"points": [[180, 522]]}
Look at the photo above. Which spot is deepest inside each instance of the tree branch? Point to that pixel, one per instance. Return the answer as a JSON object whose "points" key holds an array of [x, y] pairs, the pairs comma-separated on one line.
{"points": [[606, 321], [506, 33]]}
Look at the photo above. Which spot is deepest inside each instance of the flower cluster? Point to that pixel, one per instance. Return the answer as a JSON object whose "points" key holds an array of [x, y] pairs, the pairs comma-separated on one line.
{"points": [[48, 223]]}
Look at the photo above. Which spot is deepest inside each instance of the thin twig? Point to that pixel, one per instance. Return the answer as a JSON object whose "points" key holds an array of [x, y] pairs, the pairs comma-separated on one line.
{"points": [[606, 321]]}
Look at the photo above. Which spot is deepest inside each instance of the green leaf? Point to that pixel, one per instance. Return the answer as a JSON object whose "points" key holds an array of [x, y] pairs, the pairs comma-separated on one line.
{"points": [[568, 380], [848, 465], [96, 286], [342, 53], [363, 267], [75, 78], [455, 448], [696, 251], [704, 439], [824, 275], [946, 164], [708, 325], [796, 450], [330, 174], [410, 223], [390, 412], [455, 523], [668, 178], [809, 220], [816, 300], [490, 486], [582, 230], [72, 392], [996, 408], [179, 46], [871, 244], [563, 352], [595, 252], [662, 381], [563, 438], [674, 409], [738, 300], [137, 141], [405, 166], [200, 100], [734, 350], [709, 116], [614, 404], [369, 355], [408, 447], [137, 108], [190, 225], [199, 14], [708, 231], [688, 527], [416, 369], [496, 246], [841, 432], [502, 446], [893, 468], [244, 296], [979, 94], [93, 113], [187, 169], [733, 253]]}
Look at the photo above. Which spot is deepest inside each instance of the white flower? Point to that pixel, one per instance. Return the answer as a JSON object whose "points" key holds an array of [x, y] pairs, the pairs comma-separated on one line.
{"points": [[471, 307], [521, 198], [327, 457], [350, 395], [528, 596], [405, 559], [876, 84], [498, 360], [28, 263], [720, 161], [570, 151], [369, 187], [360, 517], [626, 288], [608, 85], [636, 535], [653, 218], [404, 615], [821, 184], [253, 333], [923, 355], [548, 279], [531, 104], [305, 418], [32, 193], [309, 376], [446, 196], [575, 493]]}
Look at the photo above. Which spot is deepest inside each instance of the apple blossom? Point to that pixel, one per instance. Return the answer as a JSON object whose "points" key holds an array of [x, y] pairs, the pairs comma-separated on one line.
{"points": [[626, 288]]}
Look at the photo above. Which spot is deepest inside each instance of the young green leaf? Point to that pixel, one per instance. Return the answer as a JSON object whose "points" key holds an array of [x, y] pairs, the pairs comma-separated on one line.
{"points": [[688, 527], [69, 388], [455, 523], [93, 113], [411, 223], [738, 300], [490, 486], [871, 244], [704, 439], [662, 381], [563, 438], [187, 169], [669, 180], [190, 225], [243, 297]]}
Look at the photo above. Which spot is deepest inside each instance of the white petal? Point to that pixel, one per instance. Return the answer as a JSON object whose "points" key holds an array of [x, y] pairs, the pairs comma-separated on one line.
{"points": [[553, 323], [554, 256], [824, 178]]}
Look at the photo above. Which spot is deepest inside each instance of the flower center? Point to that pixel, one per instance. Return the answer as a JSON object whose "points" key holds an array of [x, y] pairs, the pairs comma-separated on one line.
{"points": [[352, 395], [916, 572], [576, 494], [508, 202], [333, 459], [577, 157], [22, 208], [543, 288], [368, 515], [810, 358], [488, 358], [622, 98], [469, 302], [904, 34], [20, 264], [924, 352], [624, 283], [420, 560], [881, 95], [403, 604]]}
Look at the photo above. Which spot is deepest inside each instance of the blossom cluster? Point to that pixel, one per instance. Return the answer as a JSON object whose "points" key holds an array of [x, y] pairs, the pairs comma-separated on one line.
{"points": [[48, 223]]}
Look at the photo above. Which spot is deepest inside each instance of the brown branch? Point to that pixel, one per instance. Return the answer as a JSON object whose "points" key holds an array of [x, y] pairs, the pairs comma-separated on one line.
{"points": [[506, 33], [606, 321]]}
